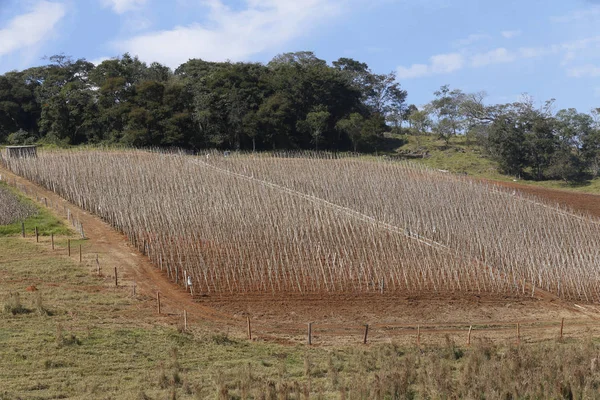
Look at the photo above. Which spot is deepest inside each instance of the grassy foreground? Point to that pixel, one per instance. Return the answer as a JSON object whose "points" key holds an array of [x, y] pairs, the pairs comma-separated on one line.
{"points": [[76, 337], [46, 223]]}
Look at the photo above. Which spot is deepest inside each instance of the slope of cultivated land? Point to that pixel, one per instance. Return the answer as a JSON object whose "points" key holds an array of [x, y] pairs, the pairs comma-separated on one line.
{"points": [[527, 241], [12, 209], [585, 203], [77, 337], [284, 317], [236, 235], [271, 225]]}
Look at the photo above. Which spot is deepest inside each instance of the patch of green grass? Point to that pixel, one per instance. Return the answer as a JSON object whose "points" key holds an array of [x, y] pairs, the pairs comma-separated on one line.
{"points": [[46, 223], [104, 344], [466, 157]]}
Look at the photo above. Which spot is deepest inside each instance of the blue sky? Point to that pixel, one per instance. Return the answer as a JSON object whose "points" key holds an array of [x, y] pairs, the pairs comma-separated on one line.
{"points": [[546, 48]]}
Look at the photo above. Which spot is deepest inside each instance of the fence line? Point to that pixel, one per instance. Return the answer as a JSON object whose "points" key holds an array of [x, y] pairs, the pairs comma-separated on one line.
{"points": [[361, 331]]}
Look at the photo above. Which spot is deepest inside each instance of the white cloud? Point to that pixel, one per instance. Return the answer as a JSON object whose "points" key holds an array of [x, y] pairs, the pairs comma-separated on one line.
{"points": [[30, 29], [584, 71], [469, 40], [438, 64], [511, 34], [121, 6], [260, 26], [571, 51], [497, 56]]}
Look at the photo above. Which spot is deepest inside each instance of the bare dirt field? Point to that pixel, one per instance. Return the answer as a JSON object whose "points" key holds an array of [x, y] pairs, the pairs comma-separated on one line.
{"points": [[340, 318], [582, 202]]}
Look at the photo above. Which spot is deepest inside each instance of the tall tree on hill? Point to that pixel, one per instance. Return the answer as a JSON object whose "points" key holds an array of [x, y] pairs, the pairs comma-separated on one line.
{"points": [[447, 110]]}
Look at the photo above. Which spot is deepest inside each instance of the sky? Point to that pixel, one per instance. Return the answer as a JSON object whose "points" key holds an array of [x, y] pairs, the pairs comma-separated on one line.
{"points": [[545, 48]]}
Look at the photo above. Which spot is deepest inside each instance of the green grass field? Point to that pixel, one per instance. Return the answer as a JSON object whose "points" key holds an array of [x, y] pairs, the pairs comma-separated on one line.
{"points": [[76, 337], [46, 223]]}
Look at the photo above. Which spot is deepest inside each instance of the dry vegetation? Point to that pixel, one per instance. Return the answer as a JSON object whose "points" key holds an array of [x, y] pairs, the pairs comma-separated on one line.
{"points": [[77, 337], [12, 209], [263, 224]]}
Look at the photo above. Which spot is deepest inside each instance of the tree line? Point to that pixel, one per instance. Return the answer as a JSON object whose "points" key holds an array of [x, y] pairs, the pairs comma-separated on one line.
{"points": [[528, 141], [295, 101]]}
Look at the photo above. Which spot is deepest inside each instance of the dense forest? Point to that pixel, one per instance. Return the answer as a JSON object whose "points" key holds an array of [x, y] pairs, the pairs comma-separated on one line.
{"points": [[296, 101]]}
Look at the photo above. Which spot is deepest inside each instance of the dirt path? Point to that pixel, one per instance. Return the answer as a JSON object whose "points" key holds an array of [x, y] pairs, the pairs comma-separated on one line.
{"points": [[279, 315], [114, 250]]}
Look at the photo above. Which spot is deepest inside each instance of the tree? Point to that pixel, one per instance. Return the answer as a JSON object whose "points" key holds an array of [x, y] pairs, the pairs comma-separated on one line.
{"points": [[19, 109], [70, 116], [447, 109], [373, 129], [565, 165], [315, 123], [353, 127], [407, 112], [274, 118], [590, 144], [506, 144], [419, 120]]}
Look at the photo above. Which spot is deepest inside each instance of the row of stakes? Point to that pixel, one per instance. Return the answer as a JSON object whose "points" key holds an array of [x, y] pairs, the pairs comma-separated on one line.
{"points": [[249, 326], [366, 333]]}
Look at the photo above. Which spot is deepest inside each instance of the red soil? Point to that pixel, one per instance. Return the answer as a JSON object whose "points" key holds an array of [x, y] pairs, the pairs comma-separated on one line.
{"points": [[582, 202], [284, 318]]}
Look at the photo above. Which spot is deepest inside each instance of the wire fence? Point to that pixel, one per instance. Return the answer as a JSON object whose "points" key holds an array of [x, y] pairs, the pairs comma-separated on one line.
{"points": [[310, 333]]}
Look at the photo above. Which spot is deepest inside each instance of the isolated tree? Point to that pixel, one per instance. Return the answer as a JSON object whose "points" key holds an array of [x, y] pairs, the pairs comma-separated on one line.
{"points": [[446, 107]]}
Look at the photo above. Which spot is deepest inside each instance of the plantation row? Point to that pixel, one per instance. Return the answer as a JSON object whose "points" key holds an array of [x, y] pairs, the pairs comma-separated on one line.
{"points": [[12, 209], [527, 241], [253, 223]]}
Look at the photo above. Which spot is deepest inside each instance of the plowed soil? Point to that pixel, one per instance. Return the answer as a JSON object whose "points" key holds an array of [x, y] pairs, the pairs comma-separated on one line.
{"points": [[582, 202], [284, 318]]}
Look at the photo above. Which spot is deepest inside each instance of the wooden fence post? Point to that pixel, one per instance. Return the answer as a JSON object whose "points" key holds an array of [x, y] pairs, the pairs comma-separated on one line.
{"points": [[97, 265], [469, 337], [518, 333], [23, 229], [309, 338], [37, 235], [184, 320], [562, 325], [158, 301], [366, 333], [80, 255], [133, 289], [116, 278], [69, 246], [418, 335], [249, 328], [52, 239]]}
